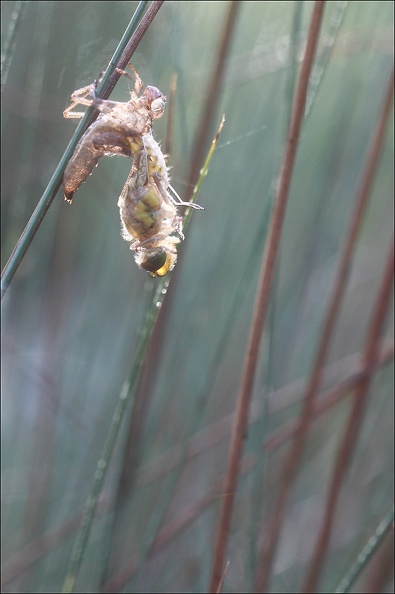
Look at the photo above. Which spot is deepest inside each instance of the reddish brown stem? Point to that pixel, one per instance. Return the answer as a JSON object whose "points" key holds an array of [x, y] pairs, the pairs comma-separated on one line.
{"points": [[261, 305], [296, 448], [328, 399], [34, 551], [213, 92], [353, 424]]}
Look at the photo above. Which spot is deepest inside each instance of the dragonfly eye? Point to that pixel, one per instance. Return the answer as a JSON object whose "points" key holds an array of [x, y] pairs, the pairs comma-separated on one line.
{"points": [[154, 261]]}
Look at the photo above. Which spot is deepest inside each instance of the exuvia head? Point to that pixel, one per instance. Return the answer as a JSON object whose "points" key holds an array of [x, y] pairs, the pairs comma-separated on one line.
{"points": [[156, 100]]}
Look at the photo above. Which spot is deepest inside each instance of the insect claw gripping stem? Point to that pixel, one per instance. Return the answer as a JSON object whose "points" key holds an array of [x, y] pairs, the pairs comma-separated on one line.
{"points": [[148, 204]]}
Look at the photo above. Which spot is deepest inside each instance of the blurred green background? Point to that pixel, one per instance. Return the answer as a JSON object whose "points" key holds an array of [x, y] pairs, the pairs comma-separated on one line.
{"points": [[73, 313]]}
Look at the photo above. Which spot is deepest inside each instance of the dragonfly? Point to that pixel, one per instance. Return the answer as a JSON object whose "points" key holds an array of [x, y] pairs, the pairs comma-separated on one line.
{"points": [[148, 210], [148, 203]]}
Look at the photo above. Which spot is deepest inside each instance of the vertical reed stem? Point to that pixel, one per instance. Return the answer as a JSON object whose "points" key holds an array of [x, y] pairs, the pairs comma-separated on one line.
{"points": [[297, 446], [262, 302]]}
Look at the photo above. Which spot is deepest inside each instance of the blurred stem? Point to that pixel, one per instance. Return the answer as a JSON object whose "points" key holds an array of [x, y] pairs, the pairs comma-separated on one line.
{"points": [[103, 462], [186, 516], [292, 460], [125, 396], [261, 305], [213, 92], [354, 422], [367, 552], [203, 173], [30, 554], [9, 44], [258, 432], [293, 56], [122, 55], [166, 492], [218, 431], [322, 62]]}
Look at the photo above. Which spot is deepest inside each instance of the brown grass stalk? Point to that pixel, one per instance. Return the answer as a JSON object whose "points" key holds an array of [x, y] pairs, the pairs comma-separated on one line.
{"points": [[133, 43], [329, 398], [196, 163], [296, 448], [30, 554], [158, 337], [39, 213], [173, 527], [208, 113], [208, 438], [262, 302], [354, 422]]}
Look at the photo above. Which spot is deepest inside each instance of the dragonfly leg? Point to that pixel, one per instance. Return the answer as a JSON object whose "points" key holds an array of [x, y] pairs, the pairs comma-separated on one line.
{"points": [[175, 198]]}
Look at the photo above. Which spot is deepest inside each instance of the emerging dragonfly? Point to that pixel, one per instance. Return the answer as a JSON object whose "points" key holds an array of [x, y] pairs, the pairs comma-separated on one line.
{"points": [[148, 204], [148, 209], [114, 129]]}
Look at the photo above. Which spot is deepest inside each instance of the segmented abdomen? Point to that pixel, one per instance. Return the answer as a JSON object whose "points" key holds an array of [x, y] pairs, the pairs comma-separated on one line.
{"points": [[98, 140], [144, 205], [144, 213]]}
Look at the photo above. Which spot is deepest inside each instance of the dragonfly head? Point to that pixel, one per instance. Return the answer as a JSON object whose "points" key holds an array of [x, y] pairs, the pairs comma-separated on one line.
{"points": [[158, 262]]}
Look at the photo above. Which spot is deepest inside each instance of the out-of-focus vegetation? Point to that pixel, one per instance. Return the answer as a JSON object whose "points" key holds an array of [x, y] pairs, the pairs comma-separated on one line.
{"points": [[73, 313]]}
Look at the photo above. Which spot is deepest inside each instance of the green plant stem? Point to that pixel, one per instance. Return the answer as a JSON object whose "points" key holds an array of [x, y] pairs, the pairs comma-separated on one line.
{"points": [[366, 553], [203, 173], [102, 464], [125, 396], [9, 44], [49, 194]]}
